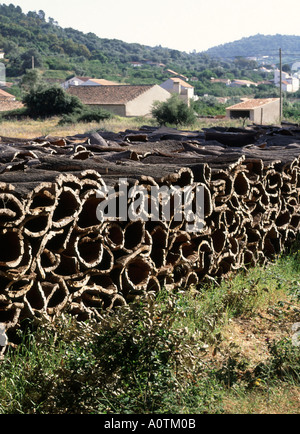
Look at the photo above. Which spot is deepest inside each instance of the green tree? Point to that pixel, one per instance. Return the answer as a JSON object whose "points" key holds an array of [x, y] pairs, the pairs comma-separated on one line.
{"points": [[26, 59], [173, 111], [51, 101], [31, 80]]}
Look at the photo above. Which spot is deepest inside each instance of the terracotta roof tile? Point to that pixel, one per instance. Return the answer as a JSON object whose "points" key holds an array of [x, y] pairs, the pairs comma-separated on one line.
{"points": [[6, 104], [103, 82], [252, 104], [7, 95], [118, 94]]}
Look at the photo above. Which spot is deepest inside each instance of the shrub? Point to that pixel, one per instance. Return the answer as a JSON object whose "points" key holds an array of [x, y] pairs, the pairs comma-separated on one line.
{"points": [[85, 115], [94, 116], [51, 101], [173, 111]]}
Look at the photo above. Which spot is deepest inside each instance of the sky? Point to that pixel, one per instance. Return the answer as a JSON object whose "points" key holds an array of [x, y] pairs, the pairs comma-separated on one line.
{"points": [[182, 25]]}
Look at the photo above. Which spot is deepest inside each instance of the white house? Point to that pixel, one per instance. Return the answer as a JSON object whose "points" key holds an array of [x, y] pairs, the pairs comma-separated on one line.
{"points": [[87, 81], [286, 86], [74, 81], [241, 83], [180, 87], [2, 54], [284, 76], [294, 82], [289, 83]]}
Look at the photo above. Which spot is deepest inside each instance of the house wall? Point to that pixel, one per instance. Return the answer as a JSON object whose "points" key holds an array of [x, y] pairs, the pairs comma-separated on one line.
{"points": [[295, 83], [287, 87], [72, 82], [285, 75], [142, 105], [168, 85], [185, 93], [268, 114]]}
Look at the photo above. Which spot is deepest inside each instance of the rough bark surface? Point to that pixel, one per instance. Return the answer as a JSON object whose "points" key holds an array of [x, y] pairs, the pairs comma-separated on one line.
{"points": [[55, 255]]}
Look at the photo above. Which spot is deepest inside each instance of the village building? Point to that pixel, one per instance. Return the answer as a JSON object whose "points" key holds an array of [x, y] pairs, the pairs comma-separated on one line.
{"points": [[177, 75], [87, 81], [74, 81], [8, 101], [2, 54], [226, 81], [241, 83], [122, 100], [290, 83], [180, 87], [259, 111], [147, 62]]}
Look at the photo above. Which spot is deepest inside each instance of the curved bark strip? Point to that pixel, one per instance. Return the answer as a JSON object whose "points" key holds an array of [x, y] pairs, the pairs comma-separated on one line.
{"points": [[12, 248], [134, 235], [89, 250], [86, 217], [57, 255], [114, 236], [67, 209], [42, 199], [11, 210]]}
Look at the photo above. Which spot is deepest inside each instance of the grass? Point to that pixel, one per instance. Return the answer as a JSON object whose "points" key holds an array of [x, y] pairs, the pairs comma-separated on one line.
{"points": [[224, 349], [30, 129]]}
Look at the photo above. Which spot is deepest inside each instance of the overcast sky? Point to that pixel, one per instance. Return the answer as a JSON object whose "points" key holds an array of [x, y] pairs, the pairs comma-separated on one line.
{"points": [[183, 25]]}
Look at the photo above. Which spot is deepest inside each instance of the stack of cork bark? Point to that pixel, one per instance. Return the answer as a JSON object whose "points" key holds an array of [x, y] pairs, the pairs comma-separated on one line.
{"points": [[57, 256]]}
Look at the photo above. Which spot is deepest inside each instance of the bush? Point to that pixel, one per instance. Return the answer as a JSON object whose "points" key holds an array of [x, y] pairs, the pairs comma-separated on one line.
{"points": [[132, 360], [51, 101], [94, 116], [85, 115], [209, 106], [173, 111]]}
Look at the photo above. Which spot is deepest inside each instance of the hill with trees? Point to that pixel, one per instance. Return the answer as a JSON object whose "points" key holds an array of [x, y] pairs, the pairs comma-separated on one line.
{"points": [[260, 46], [60, 53]]}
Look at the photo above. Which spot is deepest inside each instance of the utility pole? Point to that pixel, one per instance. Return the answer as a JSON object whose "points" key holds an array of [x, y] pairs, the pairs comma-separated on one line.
{"points": [[280, 67], [32, 62]]}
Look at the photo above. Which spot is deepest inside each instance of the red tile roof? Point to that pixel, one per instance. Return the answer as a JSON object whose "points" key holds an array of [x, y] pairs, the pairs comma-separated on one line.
{"points": [[5, 95], [103, 82], [6, 104], [252, 104], [97, 95]]}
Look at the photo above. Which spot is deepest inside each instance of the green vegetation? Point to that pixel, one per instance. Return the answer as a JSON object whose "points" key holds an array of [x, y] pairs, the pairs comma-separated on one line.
{"points": [[258, 46], [173, 111], [210, 106], [291, 110], [45, 102], [85, 115], [214, 349], [60, 53]]}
